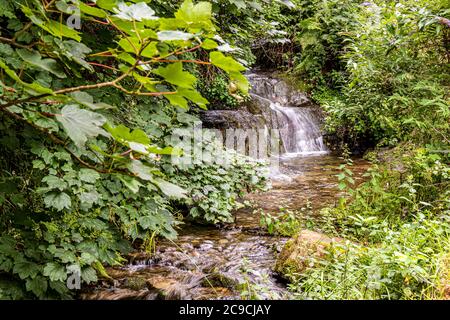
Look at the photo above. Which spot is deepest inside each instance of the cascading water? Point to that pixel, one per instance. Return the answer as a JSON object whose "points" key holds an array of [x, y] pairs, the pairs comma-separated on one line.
{"points": [[291, 113]]}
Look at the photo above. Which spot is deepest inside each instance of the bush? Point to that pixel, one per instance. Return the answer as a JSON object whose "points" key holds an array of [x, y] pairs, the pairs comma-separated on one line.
{"points": [[401, 219], [84, 123], [397, 81]]}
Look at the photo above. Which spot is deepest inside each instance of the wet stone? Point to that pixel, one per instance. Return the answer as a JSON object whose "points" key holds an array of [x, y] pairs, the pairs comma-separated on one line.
{"points": [[135, 283]]}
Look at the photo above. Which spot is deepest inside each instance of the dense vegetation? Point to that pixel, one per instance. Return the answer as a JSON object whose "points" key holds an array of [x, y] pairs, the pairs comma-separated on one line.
{"points": [[88, 116], [380, 70]]}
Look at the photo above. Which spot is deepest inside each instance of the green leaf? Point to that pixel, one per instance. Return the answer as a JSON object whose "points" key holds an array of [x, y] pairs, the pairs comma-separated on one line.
{"points": [[125, 135], [225, 63], [150, 50], [87, 100], [124, 56], [81, 124], [38, 164], [107, 4], [34, 87], [56, 28], [88, 274], [170, 189], [59, 201], [158, 221], [34, 58], [194, 96], [64, 255], [130, 44], [240, 4], [88, 175], [139, 11], [148, 222], [174, 74], [75, 51], [37, 285], [60, 30], [55, 271], [89, 198], [25, 269], [240, 81], [140, 170], [170, 35], [341, 176], [87, 258], [209, 44], [177, 100], [195, 17], [165, 150], [55, 182], [131, 183], [91, 10], [47, 123]]}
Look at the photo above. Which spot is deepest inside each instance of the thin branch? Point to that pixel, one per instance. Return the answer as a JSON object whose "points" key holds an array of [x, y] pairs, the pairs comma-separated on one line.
{"points": [[136, 51], [101, 54], [173, 61], [27, 26], [61, 142], [29, 99], [188, 50], [98, 21], [138, 93], [102, 65], [14, 43]]}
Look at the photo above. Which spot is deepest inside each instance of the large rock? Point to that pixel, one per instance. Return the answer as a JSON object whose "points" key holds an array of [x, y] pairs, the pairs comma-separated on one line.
{"points": [[277, 90], [257, 113], [302, 252], [225, 119]]}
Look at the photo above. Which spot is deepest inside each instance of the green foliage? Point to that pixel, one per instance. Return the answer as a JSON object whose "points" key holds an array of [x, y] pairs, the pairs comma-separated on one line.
{"points": [[320, 32], [217, 92], [251, 290], [214, 188], [380, 71], [400, 218], [85, 121], [396, 83], [415, 181], [284, 223]]}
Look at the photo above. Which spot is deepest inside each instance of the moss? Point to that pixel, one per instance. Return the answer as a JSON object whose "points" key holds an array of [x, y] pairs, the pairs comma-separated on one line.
{"points": [[301, 253], [135, 283], [218, 279], [283, 256]]}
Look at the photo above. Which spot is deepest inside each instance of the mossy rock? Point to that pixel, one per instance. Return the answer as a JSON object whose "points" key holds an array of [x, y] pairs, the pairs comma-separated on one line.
{"points": [[218, 279], [302, 252], [135, 283]]}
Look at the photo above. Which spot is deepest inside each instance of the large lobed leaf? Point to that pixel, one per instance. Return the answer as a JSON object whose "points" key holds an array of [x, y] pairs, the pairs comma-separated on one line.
{"points": [[81, 124]]}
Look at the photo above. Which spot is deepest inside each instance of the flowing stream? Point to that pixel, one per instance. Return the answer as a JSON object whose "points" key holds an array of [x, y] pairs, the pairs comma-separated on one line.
{"points": [[207, 262], [291, 112]]}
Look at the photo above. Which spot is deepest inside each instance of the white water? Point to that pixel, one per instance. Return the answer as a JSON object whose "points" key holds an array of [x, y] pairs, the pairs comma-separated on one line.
{"points": [[300, 132], [291, 113]]}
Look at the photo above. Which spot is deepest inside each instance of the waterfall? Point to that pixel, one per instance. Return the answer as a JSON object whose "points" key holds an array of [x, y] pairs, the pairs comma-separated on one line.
{"points": [[289, 111], [275, 105]]}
